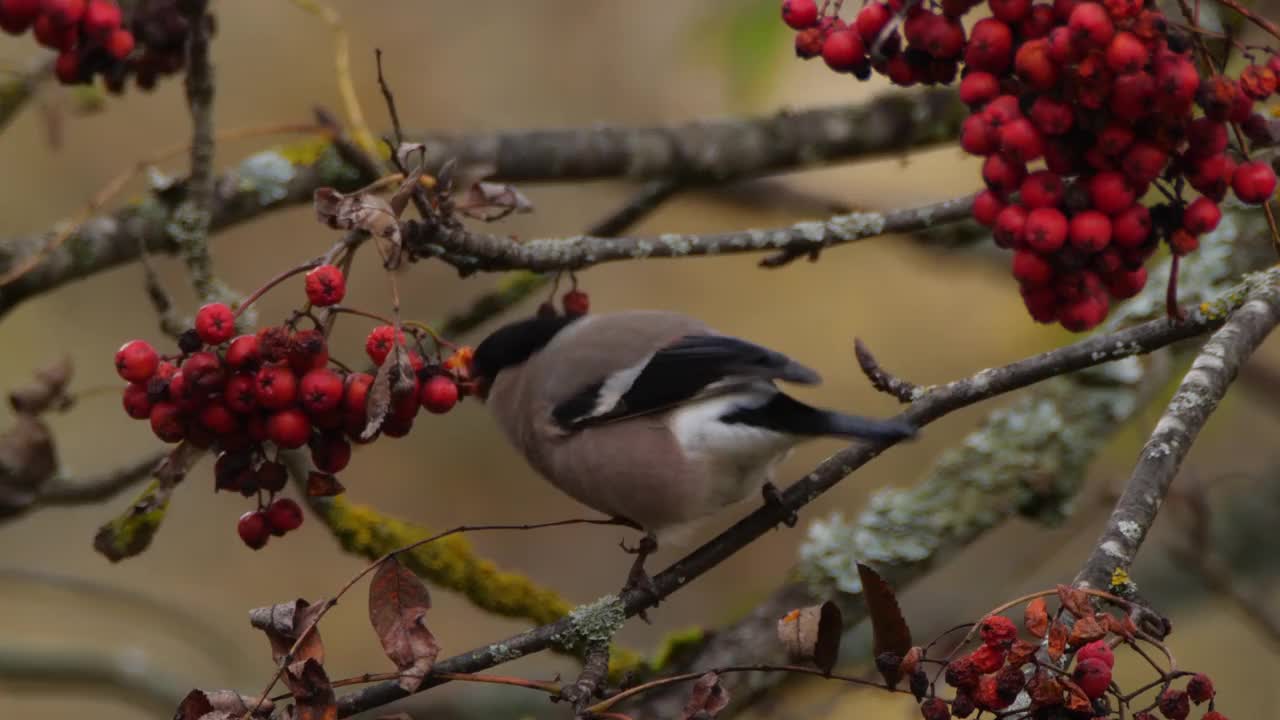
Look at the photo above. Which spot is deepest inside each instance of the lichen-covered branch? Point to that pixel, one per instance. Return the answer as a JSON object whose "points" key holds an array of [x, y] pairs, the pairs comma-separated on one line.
{"points": [[1202, 388], [18, 88], [470, 251], [132, 531], [702, 153]]}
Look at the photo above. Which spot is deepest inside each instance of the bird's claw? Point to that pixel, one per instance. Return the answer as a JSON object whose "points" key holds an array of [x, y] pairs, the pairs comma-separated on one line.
{"points": [[637, 577], [772, 497]]}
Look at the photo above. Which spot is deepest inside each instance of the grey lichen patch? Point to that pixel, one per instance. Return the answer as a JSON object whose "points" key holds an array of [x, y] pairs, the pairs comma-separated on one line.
{"points": [[676, 244], [1130, 529], [502, 652], [859, 224], [266, 174], [595, 622]]}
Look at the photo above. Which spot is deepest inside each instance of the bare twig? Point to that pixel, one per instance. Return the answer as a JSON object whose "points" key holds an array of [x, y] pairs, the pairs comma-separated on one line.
{"points": [[595, 669], [880, 378], [63, 490], [1195, 400]]}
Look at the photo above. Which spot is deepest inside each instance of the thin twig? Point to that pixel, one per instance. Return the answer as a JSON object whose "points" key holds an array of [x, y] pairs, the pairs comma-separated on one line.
{"points": [[880, 378]]}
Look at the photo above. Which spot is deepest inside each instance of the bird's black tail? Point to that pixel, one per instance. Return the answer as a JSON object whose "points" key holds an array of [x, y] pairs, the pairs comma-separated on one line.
{"points": [[785, 414]]}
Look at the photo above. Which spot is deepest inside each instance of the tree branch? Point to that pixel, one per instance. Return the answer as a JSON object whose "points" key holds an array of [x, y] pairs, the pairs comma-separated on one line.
{"points": [[62, 490], [1195, 400]]}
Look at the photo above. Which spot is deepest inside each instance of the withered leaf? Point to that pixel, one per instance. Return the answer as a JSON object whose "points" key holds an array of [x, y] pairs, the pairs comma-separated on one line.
{"points": [[812, 634], [1117, 626], [1044, 689], [1077, 700], [1036, 617], [1020, 653], [357, 211], [1057, 640], [194, 706], [1075, 600], [49, 389], [405, 152], [284, 623], [27, 461], [911, 660], [1086, 630], [493, 201], [312, 692], [199, 704], [323, 484], [378, 402], [706, 699], [890, 633], [398, 604]]}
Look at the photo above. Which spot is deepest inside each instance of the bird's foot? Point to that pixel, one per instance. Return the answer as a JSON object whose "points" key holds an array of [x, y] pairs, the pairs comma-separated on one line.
{"points": [[637, 577], [773, 497]]}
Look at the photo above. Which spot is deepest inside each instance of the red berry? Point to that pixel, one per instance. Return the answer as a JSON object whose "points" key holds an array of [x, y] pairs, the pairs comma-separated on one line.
{"points": [[1206, 137], [321, 390], [1211, 715], [987, 696], [978, 88], [63, 12], [240, 394], [1097, 650], [119, 44], [1091, 25], [870, 21], [1132, 227], [1123, 9], [1253, 182], [990, 46], [1114, 139], [800, 14], [1173, 704], [67, 68], [283, 515], [1010, 11], [809, 43], [1093, 676], [307, 351], [439, 394], [396, 427], [1090, 231], [242, 352], [17, 15], [218, 419], [325, 286], [356, 394], [843, 51], [289, 428], [1176, 85], [942, 38], [275, 387], [1038, 23], [1083, 314], [54, 35], [1010, 227], [1200, 688], [1004, 109], [1212, 175], [136, 361], [137, 402], [1110, 192], [254, 530], [998, 631], [380, 342], [166, 422], [1126, 283], [1202, 215], [1041, 303], [1020, 141], [204, 373], [1062, 45], [987, 658], [215, 323], [1003, 176], [1132, 96], [977, 137], [1046, 229], [1031, 270], [331, 453], [1035, 65], [986, 206], [1258, 81], [575, 302], [1182, 242], [101, 18], [1042, 189], [1143, 162], [1126, 53], [1050, 116]]}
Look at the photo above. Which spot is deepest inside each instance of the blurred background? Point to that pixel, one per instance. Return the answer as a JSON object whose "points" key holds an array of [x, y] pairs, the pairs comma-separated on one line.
{"points": [[179, 611]]}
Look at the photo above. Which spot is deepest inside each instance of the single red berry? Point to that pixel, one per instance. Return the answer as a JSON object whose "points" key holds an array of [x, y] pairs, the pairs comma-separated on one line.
{"points": [[1010, 11], [356, 394], [998, 631], [1097, 650], [961, 673], [1010, 227], [843, 51], [1083, 314], [1091, 25], [283, 515], [137, 402], [1143, 162], [1132, 227], [1002, 110], [331, 453], [1031, 270], [978, 88], [1176, 84], [1003, 176], [1133, 96], [119, 44], [67, 68], [321, 391], [1090, 231], [1109, 192], [396, 427], [800, 14], [1206, 137], [1038, 23], [1062, 45], [1114, 138], [439, 394], [1124, 284], [167, 422], [977, 137], [1182, 242], [1035, 65], [16, 16], [987, 658], [273, 343], [1211, 715], [254, 530], [242, 352], [275, 387], [240, 393], [1051, 116], [809, 43], [1126, 53], [136, 361], [380, 342], [990, 46], [1215, 96], [943, 38], [289, 428], [1123, 9], [1211, 176], [1253, 182], [271, 476], [308, 350], [1041, 303], [1258, 130], [63, 12], [986, 206], [987, 695], [1201, 216], [101, 18], [575, 302], [1093, 676], [935, 709], [870, 21], [218, 419], [1200, 688], [1174, 704], [204, 373], [215, 323], [325, 286], [1046, 229], [1042, 189], [54, 35]]}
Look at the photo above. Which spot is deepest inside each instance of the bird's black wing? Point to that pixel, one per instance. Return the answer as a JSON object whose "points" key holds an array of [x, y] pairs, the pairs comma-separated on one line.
{"points": [[691, 367]]}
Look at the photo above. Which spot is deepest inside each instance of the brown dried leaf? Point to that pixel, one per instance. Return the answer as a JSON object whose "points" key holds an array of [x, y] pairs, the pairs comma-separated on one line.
{"points": [[49, 389], [1077, 701], [405, 152], [284, 623], [911, 660], [209, 704], [1057, 640], [1021, 653], [27, 461], [812, 634], [358, 211], [378, 402], [493, 201], [706, 699], [1075, 600], [323, 484], [194, 706], [312, 693], [1086, 630], [398, 604], [1044, 689], [1036, 617], [889, 629]]}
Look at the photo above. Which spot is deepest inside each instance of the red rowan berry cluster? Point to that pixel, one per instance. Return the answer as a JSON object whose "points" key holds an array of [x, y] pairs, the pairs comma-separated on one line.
{"points": [[1102, 94], [93, 37], [246, 396], [1064, 670]]}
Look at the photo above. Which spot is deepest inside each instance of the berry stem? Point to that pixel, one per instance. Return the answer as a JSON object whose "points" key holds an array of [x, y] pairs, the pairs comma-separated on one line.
{"points": [[1172, 308], [304, 267]]}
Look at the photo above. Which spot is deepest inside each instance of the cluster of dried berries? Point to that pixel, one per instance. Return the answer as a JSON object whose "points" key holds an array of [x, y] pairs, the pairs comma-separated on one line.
{"points": [[249, 395], [1080, 109]]}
